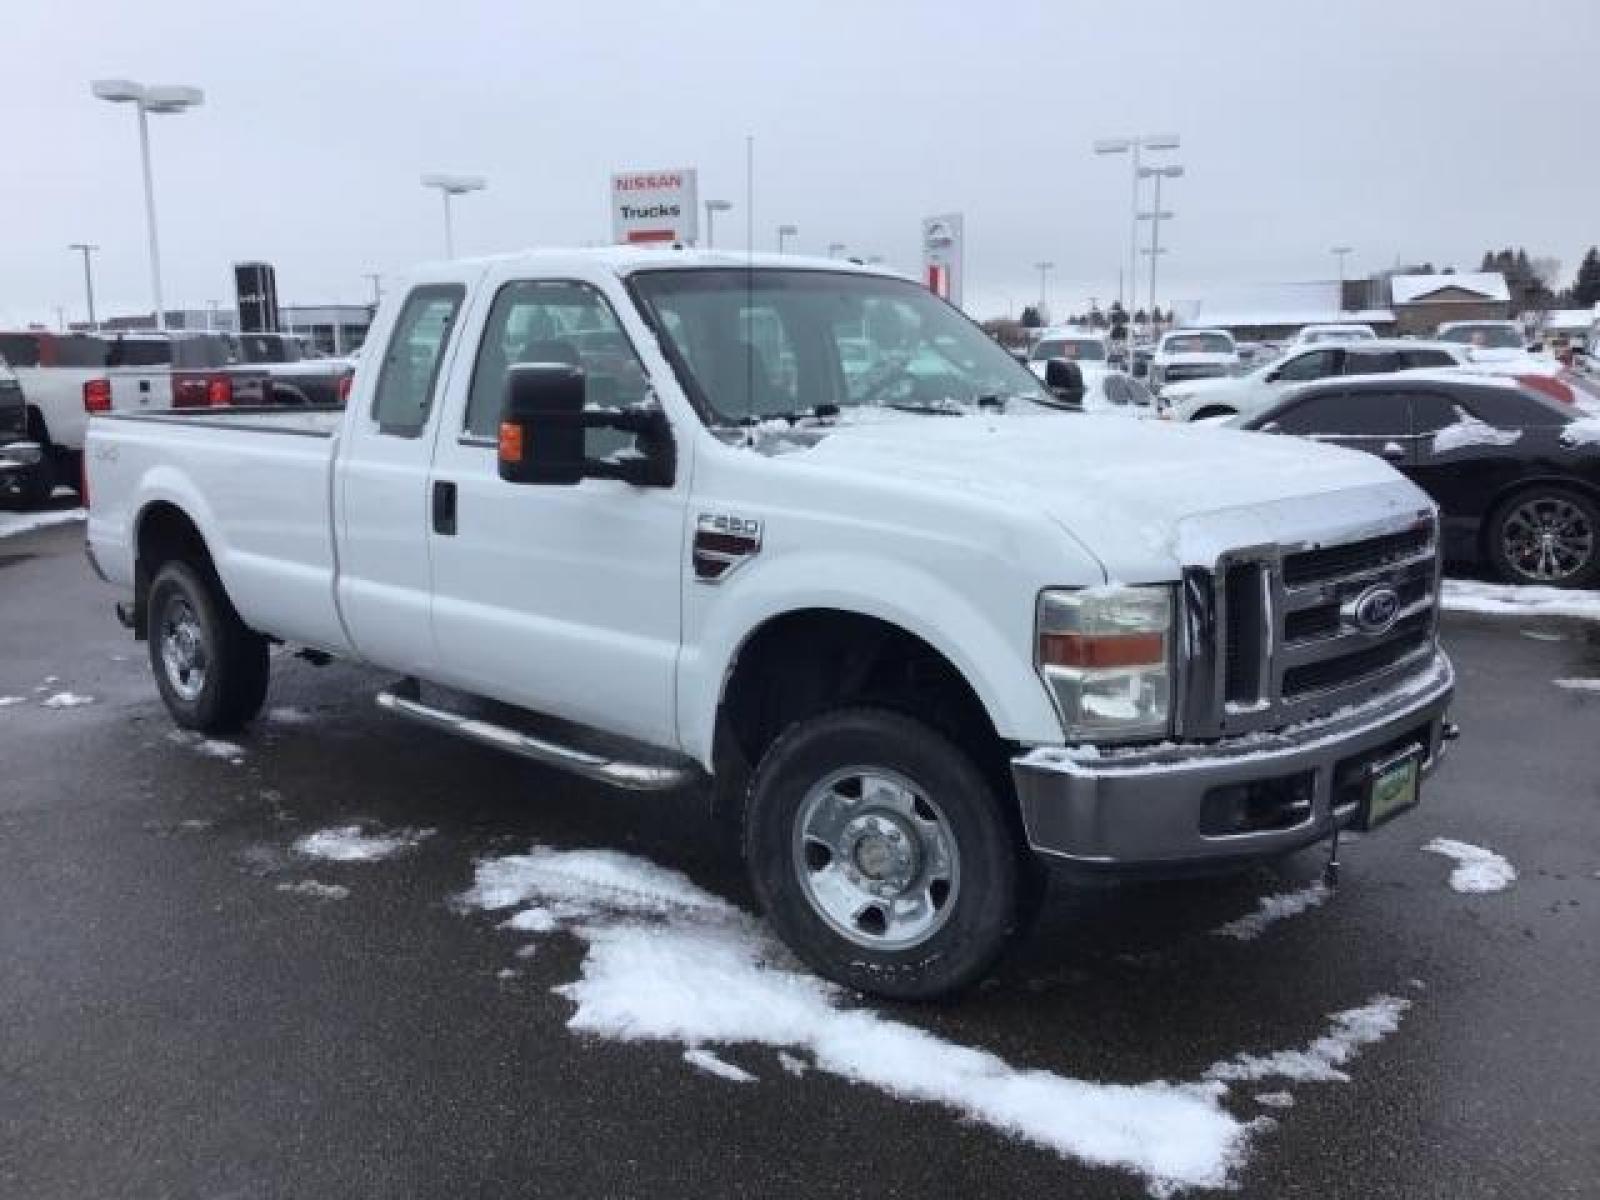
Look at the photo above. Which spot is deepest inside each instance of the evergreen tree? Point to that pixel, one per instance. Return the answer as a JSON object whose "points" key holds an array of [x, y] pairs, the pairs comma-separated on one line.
{"points": [[1585, 289], [1031, 318]]}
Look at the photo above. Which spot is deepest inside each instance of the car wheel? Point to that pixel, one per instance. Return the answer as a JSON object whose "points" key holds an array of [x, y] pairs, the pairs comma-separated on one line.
{"points": [[1546, 535], [212, 671], [881, 855]]}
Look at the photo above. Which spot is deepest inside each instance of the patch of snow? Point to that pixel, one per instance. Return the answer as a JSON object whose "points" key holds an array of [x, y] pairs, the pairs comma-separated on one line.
{"points": [[1468, 430], [1578, 685], [12, 524], [505, 973], [287, 715], [534, 920], [1274, 908], [1541, 635], [1275, 1099], [316, 889], [350, 843], [1477, 870], [230, 752], [704, 1060], [667, 961], [8, 701], [66, 700], [798, 1066], [1519, 600], [1583, 432], [1323, 1061]]}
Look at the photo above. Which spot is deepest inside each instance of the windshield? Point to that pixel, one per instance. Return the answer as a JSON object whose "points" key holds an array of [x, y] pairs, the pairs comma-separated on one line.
{"points": [[1495, 337], [1076, 349], [1197, 343], [268, 348], [773, 343]]}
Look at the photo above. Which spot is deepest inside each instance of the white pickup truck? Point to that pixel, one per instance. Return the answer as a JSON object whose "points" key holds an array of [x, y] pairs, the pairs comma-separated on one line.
{"points": [[623, 511]]}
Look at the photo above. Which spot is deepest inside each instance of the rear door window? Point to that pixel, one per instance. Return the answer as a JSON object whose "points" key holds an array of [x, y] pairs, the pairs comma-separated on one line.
{"points": [[140, 352], [1303, 368], [1370, 362], [1426, 358], [1348, 415], [411, 362]]}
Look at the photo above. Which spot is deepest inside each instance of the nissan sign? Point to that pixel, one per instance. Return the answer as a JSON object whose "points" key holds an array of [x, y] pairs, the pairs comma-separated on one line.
{"points": [[655, 206], [941, 255]]}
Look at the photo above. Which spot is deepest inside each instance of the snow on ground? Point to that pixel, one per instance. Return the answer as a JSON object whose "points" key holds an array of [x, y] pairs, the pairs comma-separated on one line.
{"points": [[667, 961], [208, 747], [1505, 599], [704, 1060], [65, 700], [1324, 1060], [350, 843], [1578, 685], [286, 715], [1477, 870], [12, 524], [317, 889], [8, 701], [1274, 908]]}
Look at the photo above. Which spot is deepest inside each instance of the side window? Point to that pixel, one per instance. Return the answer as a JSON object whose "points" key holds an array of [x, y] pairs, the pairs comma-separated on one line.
{"points": [[1426, 358], [1431, 412], [556, 321], [412, 359], [1370, 362], [1506, 408], [1317, 364], [1349, 414]]}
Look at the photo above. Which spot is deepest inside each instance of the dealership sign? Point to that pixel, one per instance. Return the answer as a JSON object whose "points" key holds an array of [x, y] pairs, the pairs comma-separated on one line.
{"points": [[941, 255], [655, 206]]}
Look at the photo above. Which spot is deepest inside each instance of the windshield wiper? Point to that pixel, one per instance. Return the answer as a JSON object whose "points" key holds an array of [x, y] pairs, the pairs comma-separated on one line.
{"points": [[932, 410], [817, 412]]}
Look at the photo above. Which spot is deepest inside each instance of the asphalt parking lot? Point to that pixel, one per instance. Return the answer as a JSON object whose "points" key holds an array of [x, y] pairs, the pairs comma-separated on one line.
{"points": [[182, 1013]]}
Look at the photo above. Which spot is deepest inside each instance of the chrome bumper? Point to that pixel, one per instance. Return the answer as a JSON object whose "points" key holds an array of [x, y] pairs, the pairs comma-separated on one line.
{"points": [[18, 456], [1149, 808]]}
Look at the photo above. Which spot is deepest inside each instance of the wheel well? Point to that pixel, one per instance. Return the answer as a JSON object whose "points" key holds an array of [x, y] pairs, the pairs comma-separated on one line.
{"points": [[165, 532], [806, 662]]}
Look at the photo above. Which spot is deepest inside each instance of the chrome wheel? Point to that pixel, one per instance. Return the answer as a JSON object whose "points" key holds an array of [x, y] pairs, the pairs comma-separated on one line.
{"points": [[183, 649], [876, 858], [1547, 538]]}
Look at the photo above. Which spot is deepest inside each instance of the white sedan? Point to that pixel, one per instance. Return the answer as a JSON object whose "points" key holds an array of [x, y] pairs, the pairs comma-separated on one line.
{"points": [[1205, 398]]}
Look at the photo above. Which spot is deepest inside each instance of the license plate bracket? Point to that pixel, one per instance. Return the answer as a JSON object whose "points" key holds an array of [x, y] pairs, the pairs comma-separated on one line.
{"points": [[1393, 786]]}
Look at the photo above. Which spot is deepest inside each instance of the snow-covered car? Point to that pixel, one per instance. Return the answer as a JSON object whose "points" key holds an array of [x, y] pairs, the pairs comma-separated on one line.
{"points": [[1205, 399], [1074, 345], [912, 632], [1489, 341], [1316, 335], [1516, 476], [1188, 354]]}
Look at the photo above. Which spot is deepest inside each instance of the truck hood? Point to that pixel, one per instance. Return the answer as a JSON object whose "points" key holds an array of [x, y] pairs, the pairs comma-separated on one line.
{"points": [[1145, 499]]}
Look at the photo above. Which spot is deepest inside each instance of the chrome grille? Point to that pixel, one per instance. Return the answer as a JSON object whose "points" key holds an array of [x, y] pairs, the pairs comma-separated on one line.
{"points": [[1273, 636]]}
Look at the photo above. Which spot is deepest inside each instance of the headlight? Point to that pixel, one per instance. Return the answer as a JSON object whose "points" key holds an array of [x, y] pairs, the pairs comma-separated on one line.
{"points": [[1106, 655]]}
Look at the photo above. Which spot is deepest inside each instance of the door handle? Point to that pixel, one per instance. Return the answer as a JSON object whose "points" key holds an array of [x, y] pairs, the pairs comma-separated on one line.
{"points": [[1393, 453], [444, 507]]}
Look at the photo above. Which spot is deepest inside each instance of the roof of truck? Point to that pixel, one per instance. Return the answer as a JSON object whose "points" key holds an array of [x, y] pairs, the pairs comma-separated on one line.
{"points": [[624, 260]]}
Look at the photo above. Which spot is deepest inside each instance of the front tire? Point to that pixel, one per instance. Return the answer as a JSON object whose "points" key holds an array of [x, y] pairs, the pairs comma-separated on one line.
{"points": [[212, 671], [1546, 535], [881, 855]]}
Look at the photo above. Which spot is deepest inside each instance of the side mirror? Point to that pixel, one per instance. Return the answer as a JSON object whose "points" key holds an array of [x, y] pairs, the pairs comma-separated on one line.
{"points": [[1271, 427], [1064, 378], [542, 425]]}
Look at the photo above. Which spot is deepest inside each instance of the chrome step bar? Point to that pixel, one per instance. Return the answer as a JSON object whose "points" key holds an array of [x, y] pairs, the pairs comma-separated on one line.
{"points": [[404, 700]]}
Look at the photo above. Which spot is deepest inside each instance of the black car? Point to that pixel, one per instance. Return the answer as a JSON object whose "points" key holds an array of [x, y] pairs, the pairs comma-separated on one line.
{"points": [[1516, 476]]}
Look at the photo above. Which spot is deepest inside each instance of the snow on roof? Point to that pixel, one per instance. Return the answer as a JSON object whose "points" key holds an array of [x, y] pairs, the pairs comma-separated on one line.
{"points": [[1569, 318], [1315, 302], [1411, 289]]}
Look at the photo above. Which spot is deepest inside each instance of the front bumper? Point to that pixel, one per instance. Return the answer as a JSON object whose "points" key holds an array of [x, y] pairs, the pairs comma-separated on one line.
{"points": [[1157, 808], [19, 456]]}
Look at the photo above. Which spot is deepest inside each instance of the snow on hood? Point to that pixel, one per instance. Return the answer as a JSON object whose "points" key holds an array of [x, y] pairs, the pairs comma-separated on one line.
{"points": [[1145, 498]]}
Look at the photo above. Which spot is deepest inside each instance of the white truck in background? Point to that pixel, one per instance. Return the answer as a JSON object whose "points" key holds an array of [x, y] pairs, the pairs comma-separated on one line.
{"points": [[916, 631]]}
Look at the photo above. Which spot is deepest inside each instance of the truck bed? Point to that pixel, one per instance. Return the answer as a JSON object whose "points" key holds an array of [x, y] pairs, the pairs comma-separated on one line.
{"points": [[259, 480]]}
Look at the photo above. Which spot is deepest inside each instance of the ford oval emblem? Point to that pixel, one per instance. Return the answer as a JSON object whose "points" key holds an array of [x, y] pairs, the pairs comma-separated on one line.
{"points": [[1375, 610]]}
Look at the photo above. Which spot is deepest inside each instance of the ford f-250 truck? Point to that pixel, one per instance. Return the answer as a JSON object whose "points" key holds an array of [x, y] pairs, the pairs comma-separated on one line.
{"points": [[624, 512]]}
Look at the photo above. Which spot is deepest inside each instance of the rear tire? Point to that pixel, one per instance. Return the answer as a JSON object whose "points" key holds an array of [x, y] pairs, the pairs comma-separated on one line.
{"points": [[1547, 535], [212, 671], [881, 856]]}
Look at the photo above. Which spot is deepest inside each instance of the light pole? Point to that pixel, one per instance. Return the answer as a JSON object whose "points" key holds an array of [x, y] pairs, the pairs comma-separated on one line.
{"points": [[1339, 252], [453, 185], [377, 295], [86, 250], [713, 207], [786, 231], [149, 98], [1155, 216], [1133, 146], [1044, 269]]}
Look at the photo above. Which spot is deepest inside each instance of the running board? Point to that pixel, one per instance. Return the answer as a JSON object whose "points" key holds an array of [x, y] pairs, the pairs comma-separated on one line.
{"points": [[405, 700]]}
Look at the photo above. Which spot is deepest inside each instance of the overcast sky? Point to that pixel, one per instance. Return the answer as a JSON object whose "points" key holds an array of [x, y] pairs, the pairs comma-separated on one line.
{"points": [[1401, 128]]}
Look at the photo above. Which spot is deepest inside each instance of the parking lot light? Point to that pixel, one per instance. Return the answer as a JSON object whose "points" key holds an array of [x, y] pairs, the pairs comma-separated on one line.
{"points": [[713, 207], [86, 249], [1133, 146], [149, 98], [786, 231], [1339, 252], [453, 185]]}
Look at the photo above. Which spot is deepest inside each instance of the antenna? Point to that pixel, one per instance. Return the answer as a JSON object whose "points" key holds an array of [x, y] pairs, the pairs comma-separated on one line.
{"points": [[749, 315]]}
